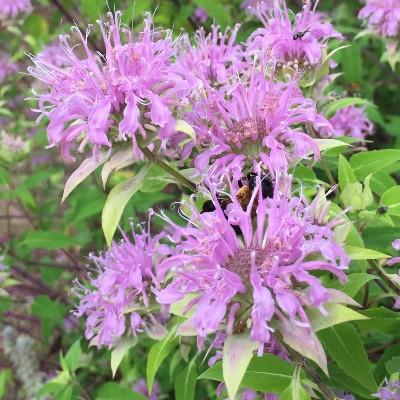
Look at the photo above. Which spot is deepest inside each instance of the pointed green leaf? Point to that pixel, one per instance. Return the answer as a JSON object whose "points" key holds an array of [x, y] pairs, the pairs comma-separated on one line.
{"points": [[157, 355], [73, 356], [361, 253], [268, 373], [327, 144], [304, 341], [346, 174], [345, 346], [336, 105], [120, 159], [185, 383], [121, 349], [81, 173], [295, 391], [391, 200], [337, 314], [237, 353], [369, 162], [116, 202]]}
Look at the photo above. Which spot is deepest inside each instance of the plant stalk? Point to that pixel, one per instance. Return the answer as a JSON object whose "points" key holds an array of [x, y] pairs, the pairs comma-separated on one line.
{"points": [[167, 168], [326, 391]]}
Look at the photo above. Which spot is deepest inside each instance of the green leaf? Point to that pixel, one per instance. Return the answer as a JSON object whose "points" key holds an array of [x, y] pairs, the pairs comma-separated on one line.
{"points": [[345, 346], [337, 314], [295, 391], [92, 9], [339, 378], [328, 144], [355, 282], [361, 253], [380, 319], [185, 382], [88, 166], [215, 9], [23, 193], [157, 355], [49, 240], [381, 182], [114, 391], [37, 26], [346, 174], [380, 369], [119, 160], [268, 373], [56, 384], [73, 356], [116, 202], [51, 314], [5, 378], [44, 307], [393, 365], [304, 341], [350, 60], [336, 105], [237, 353], [121, 349], [369, 162], [391, 200]]}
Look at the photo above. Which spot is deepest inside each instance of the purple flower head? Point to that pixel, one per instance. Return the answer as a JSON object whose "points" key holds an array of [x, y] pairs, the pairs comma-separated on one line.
{"points": [[265, 272], [300, 44], [121, 289], [253, 4], [351, 121], [212, 59], [12, 143], [395, 260], [391, 391], [131, 83], [6, 67], [54, 54], [11, 8], [141, 387], [382, 17], [200, 15], [258, 121]]}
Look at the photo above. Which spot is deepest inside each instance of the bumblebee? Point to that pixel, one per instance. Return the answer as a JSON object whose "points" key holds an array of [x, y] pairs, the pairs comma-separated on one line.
{"points": [[246, 187]]}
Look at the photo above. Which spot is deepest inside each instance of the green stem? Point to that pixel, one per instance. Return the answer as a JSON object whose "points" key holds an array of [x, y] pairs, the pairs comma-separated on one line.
{"points": [[167, 168], [384, 277], [325, 389], [327, 171]]}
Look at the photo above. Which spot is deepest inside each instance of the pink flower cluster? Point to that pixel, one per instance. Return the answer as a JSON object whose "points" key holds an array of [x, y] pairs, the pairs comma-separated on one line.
{"points": [[121, 286], [261, 274], [100, 100], [7, 67], [382, 17], [11, 8]]}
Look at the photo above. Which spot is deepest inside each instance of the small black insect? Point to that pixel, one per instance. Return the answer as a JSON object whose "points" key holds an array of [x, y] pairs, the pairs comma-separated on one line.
{"points": [[300, 35], [381, 211], [266, 184]]}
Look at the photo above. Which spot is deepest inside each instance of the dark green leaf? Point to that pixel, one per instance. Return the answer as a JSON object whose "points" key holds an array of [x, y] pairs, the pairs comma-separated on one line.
{"points": [[369, 162], [268, 373], [345, 346], [185, 383], [49, 240]]}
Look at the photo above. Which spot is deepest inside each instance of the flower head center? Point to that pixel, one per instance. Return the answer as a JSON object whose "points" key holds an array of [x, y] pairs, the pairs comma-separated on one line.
{"points": [[240, 262], [246, 131]]}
